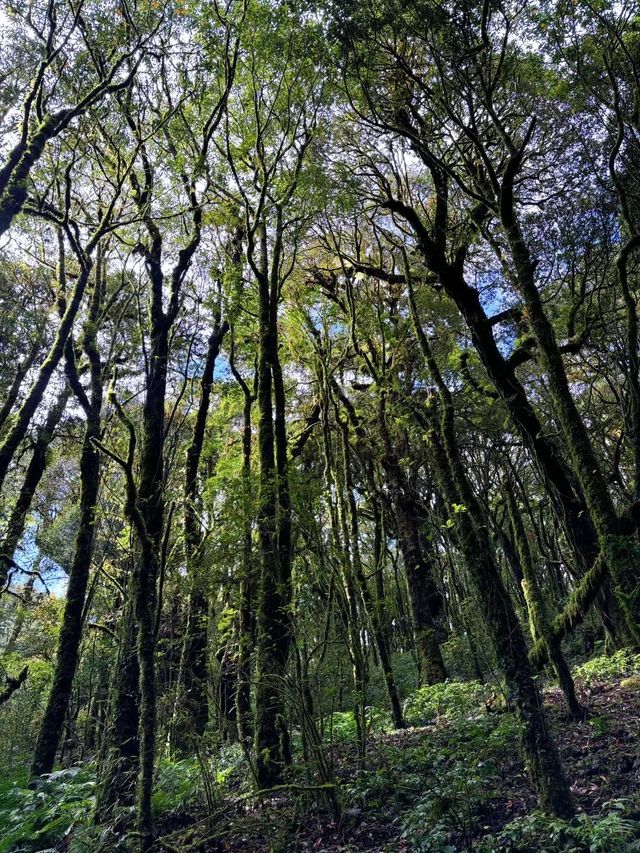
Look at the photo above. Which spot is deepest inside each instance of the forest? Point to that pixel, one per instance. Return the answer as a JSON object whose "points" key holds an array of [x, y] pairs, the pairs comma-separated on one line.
{"points": [[319, 426]]}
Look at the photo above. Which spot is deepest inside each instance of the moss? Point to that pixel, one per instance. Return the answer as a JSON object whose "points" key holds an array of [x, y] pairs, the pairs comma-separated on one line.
{"points": [[622, 556], [574, 612]]}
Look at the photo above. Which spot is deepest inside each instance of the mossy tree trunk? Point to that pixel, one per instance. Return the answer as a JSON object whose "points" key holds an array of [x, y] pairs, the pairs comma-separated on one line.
{"points": [[346, 594], [424, 597], [560, 482], [33, 475], [536, 605], [621, 553], [246, 628], [352, 542], [194, 665], [273, 618], [38, 129], [120, 745], [72, 620], [20, 423], [14, 388], [539, 751]]}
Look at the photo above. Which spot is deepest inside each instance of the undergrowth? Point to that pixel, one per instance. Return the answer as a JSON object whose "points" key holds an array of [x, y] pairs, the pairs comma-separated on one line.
{"points": [[38, 818], [436, 787], [615, 830], [621, 663]]}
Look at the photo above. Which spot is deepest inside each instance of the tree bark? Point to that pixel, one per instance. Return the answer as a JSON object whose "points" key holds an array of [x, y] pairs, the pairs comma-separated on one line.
{"points": [[194, 667], [33, 475]]}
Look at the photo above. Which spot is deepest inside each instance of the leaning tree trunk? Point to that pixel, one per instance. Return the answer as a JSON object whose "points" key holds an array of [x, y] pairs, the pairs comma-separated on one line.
{"points": [[621, 553], [538, 617], [558, 478], [538, 748], [34, 473], [20, 424], [14, 389], [539, 751], [71, 630]]}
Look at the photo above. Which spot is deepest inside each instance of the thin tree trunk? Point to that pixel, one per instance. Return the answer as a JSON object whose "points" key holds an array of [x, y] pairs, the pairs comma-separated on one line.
{"points": [[381, 642], [248, 578], [538, 617], [71, 630], [35, 395], [14, 390], [33, 475], [194, 667]]}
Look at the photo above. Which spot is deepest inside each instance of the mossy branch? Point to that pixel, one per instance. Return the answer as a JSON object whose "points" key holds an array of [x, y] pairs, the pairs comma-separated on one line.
{"points": [[574, 613]]}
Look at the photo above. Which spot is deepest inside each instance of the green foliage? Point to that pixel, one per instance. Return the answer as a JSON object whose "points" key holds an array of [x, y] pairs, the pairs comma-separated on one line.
{"points": [[178, 785], [182, 785], [452, 699], [600, 725], [461, 776], [439, 786], [449, 805], [34, 819], [341, 726], [612, 832], [20, 716], [622, 662]]}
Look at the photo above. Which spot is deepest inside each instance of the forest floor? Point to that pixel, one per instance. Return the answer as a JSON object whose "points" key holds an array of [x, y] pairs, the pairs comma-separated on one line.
{"points": [[451, 781], [456, 784]]}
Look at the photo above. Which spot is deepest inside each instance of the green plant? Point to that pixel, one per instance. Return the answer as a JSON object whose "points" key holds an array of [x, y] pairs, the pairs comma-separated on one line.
{"points": [[449, 805], [177, 785], [19, 717], [612, 832], [190, 781], [600, 725], [622, 662], [341, 726], [452, 699], [34, 819], [439, 785]]}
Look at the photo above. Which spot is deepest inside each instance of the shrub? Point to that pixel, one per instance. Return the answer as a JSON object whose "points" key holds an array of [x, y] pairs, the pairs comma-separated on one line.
{"points": [[612, 832], [35, 819], [341, 725], [452, 699], [623, 662]]}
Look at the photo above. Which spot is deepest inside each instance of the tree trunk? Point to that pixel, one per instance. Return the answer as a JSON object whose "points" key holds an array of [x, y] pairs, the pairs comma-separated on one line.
{"points": [[353, 542], [194, 656], [71, 630], [538, 617], [539, 751], [35, 395], [273, 621], [423, 593], [35, 470]]}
